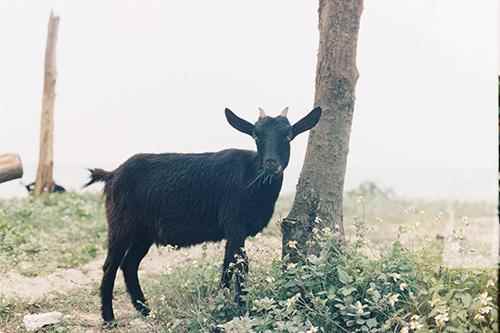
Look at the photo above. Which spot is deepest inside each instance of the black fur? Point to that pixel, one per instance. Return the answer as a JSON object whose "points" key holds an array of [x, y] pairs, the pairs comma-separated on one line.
{"points": [[187, 199], [98, 175], [55, 189]]}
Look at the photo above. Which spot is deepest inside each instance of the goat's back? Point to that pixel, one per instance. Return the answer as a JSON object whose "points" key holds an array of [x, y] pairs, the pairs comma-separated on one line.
{"points": [[177, 198]]}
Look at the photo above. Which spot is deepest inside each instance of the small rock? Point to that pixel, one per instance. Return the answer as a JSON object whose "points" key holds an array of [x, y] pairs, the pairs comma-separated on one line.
{"points": [[33, 322]]}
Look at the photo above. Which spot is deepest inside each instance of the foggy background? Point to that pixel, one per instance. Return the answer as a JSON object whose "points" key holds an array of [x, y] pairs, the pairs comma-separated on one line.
{"points": [[155, 76]]}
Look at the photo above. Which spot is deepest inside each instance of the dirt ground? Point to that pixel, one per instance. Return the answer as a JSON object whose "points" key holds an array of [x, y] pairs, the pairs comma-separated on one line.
{"points": [[87, 278]]}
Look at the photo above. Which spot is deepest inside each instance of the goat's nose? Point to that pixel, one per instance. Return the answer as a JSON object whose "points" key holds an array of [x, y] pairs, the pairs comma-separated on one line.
{"points": [[272, 165]]}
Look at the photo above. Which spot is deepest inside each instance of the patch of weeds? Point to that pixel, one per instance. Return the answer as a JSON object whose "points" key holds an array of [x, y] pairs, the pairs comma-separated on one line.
{"points": [[38, 235], [187, 297], [403, 290]]}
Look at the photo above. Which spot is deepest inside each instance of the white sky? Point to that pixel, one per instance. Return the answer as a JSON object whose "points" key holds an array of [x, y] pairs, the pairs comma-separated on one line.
{"points": [[155, 76]]}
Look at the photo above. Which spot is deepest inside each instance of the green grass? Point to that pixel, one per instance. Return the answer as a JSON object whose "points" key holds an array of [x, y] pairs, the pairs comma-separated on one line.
{"points": [[188, 298], [37, 236], [402, 289]]}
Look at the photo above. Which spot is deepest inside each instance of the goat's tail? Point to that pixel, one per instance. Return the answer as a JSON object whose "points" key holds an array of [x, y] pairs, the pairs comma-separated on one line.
{"points": [[98, 175]]}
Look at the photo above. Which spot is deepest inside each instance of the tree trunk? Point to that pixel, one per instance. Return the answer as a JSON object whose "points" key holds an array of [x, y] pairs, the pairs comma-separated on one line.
{"points": [[11, 167], [319, 198], [44, 176]]}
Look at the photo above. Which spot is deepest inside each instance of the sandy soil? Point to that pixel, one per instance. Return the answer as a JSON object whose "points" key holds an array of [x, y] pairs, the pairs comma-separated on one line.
{"points": [[158, 260]]}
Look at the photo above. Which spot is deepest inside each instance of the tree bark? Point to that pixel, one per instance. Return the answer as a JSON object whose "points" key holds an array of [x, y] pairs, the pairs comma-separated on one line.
{"points": [[319, 198], [11, 167], [44, 177]]}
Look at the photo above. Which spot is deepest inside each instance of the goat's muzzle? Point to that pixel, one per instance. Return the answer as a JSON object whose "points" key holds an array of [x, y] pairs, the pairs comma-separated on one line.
{"points": [[272, 167]]}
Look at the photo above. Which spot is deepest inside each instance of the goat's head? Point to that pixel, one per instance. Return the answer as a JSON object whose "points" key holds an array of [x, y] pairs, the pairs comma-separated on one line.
{"points": [[273, 135]]}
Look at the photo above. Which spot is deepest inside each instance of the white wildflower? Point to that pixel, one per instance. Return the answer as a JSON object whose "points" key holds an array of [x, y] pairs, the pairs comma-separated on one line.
{"points": [[392, 299], [312, 329], [479, 317], [292, 301], [442, 318], [484, 298], [435, 301], [395, 276], [414, 324], [359, 308]]}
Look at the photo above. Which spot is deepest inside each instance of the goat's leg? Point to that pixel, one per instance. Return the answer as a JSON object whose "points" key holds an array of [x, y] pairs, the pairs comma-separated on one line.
{"points": [[241, 272], [129, 266], [232, 249], [227, 273], [116, 251], [235, 256]]}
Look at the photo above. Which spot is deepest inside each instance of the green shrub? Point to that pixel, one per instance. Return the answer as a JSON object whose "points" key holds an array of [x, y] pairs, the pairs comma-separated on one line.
{"points": [[402, 291]]}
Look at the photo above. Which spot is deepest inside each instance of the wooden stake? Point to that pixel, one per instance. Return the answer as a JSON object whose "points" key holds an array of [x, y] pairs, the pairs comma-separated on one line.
{"points": [[44, 176], [11, 167]]}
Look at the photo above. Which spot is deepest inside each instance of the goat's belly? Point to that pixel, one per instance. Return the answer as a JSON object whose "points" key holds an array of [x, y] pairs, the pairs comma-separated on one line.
{"points": [[183, 237], [257, 225]]}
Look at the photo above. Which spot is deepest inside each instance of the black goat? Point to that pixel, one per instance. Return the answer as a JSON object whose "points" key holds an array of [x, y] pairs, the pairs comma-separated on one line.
{"points": [[187, 199]]}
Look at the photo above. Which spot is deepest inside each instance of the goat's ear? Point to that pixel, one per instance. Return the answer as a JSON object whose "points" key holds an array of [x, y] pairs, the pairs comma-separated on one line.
{"points": [[240, 124], [307, 122]]}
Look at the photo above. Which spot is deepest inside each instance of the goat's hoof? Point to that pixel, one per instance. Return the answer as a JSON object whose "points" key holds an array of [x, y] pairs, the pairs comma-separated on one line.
{"points": [[216, 329], [109, 324], [145, 311], [243, 311], [242, 307], [142, 308]]}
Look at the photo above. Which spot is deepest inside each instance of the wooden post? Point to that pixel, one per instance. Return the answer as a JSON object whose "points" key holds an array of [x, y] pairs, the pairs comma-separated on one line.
{"points": [[11, 167], [44, 175]]}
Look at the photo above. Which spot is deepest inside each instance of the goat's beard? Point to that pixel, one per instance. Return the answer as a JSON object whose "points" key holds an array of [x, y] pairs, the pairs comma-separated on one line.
{"points": [[262, 178]]}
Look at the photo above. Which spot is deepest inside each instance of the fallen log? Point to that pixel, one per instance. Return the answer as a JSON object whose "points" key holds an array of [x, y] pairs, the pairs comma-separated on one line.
{"points": [[11, 167]]}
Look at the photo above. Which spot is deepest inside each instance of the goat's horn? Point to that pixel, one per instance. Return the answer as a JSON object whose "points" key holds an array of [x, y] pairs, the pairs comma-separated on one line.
{"points": [[284, 112], [262, 113]]}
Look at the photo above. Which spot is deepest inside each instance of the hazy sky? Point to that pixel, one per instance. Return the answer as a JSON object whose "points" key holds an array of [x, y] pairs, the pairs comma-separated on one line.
{"points": [[155, 76]]}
